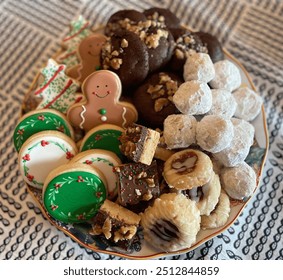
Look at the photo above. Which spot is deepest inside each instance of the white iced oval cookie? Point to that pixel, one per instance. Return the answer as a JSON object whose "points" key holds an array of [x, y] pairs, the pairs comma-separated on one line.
{"points": [[43, 152], [103, 161]]}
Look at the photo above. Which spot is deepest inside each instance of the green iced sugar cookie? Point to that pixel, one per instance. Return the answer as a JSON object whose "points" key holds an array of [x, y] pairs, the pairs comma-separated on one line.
{"points": [[38, 121], [74, 196], [105, 139]]}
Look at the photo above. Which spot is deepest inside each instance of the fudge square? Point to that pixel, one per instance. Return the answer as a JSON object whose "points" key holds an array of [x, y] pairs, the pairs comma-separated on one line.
{"points": [[137, 183]]}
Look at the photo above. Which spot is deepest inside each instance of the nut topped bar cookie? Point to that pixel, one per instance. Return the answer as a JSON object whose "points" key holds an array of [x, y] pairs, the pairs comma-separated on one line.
{"points": [[139, 143], [116, 224], [137, 183]]}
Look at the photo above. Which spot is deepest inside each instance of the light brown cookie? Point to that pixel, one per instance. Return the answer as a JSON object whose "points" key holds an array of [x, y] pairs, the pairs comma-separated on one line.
{"points": [[101, 105], [89, 52], [172, 223], [219, 216], [206, 196], [139, 143], [187, 169]]}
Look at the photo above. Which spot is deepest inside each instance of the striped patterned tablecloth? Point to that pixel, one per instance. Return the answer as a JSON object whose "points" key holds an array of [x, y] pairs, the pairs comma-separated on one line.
{"points": [[31, 32]]}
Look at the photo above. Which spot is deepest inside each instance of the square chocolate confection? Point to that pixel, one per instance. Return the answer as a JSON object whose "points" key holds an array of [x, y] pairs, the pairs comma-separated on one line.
{"points": [[116, 225], [139, 143], [137, 183]]}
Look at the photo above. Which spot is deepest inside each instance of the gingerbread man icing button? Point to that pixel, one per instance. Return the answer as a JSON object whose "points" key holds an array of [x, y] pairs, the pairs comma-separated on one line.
{"points": [[89, 55], [101, 105]]}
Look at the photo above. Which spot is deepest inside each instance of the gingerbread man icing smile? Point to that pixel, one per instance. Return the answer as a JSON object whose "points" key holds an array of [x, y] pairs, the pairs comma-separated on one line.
{"points": [[102, 90]]}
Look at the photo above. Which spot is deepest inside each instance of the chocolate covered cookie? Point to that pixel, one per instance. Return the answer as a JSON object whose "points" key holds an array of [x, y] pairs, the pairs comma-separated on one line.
{"points": [[163, 15], [121, 19], [185, 43], [212, 44], [126, 55], [153, 99]]}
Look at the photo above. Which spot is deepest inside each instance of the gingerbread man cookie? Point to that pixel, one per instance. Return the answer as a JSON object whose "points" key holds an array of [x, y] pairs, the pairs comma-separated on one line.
{"points": [[101, 105], [89, 56]]}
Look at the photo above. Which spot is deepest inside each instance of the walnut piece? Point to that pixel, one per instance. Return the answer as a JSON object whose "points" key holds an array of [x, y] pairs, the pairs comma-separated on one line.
{"points": [[160, 103], [125, 233]]}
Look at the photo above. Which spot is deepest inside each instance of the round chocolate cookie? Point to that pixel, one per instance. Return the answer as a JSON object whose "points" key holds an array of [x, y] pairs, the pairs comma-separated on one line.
{"points": [[186, 43], [159, 42], [153, 99], [126, 55], [214, 47], [121, 19], [163, 15]]}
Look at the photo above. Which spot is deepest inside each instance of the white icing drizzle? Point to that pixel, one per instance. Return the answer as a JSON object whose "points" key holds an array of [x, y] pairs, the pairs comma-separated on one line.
{"points": [[123, 117], [82, 116]]}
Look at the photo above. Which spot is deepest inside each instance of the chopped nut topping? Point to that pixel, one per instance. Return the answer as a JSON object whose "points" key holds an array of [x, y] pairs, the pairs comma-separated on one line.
{"points": [[147, 196], [142, 174], [125, 233], [105, 229], [138, 192], [179, 54], [115, 53], [150, 182], [160, 103], [116, 63], [124, 43]]}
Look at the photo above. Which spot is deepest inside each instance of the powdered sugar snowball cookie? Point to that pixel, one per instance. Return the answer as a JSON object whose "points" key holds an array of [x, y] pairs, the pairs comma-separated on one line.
{"points": [[223, 103], [227, 76], [240, 145], [199, 66], [239, 182], [193, 98], [248, 103], [172, 223], [179, 131], [214, 133]]}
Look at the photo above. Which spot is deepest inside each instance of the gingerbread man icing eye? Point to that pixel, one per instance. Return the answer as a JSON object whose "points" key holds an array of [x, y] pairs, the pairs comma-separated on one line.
{"points": [[101, 105]]}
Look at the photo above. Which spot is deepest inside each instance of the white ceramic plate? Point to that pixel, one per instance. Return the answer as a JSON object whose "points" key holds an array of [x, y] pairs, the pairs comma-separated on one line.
{"points": [[142, 250]]}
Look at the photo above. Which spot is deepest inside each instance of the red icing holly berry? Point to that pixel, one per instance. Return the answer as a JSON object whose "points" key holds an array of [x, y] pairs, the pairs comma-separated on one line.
{"points": [[40, 117], [80, 179], [30, 177], [98, 194], [53, 207], [44, 143], [60, 128], [26, 157], [57, 186], [20, 131], [81, 217], [88, 162], [69, 155]]}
